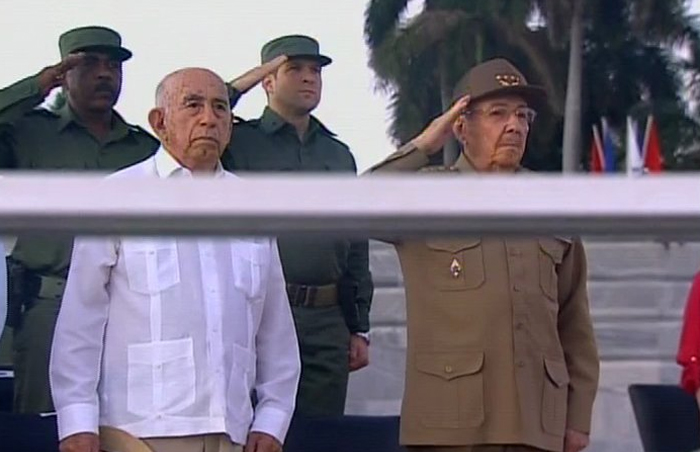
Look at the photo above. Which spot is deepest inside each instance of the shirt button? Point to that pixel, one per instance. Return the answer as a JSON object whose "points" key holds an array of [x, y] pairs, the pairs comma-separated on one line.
{"points": [[448, 369]]}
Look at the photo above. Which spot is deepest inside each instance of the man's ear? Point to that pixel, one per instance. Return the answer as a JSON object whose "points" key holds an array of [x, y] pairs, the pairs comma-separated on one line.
{"points": [[459, 129], [268, 83], [156, 118]]}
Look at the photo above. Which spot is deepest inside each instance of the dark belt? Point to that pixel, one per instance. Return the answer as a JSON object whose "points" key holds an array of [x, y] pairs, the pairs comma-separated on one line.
{"points": [[312, 296]]}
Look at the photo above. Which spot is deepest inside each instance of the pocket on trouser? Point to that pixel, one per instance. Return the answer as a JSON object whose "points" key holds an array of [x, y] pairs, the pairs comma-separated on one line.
{"points": [[324, 342]]}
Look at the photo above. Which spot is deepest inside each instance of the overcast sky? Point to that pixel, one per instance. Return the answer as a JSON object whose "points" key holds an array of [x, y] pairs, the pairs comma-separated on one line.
{"points": [[224, 35]]}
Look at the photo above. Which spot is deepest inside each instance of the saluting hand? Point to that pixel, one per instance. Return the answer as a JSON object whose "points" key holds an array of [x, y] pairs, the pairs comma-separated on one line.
{"points": [[52, 76], [254, 76], [434, 137]]}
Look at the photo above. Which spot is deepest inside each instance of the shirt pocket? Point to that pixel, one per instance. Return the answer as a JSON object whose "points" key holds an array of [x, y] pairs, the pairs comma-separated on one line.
{"points": [[160, 377], [551, 254], [457, 264], [452, 385], [554, 396], [151, 264], [249, 265]]}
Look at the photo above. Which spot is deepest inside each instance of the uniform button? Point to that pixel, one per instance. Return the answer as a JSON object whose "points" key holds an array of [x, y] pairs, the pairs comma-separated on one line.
{"points": [[519, 326], [521, 364], [516, 288], [448, 369]]}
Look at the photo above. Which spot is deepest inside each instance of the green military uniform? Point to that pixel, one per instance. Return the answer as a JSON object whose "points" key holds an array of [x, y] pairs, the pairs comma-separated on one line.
{"points": [[329, 283], [34, 138]]}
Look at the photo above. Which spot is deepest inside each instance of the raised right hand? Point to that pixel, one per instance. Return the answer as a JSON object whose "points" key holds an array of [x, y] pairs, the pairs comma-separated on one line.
{"points": [[434, 137], [254, 76], [80, 442], [52, 76]]}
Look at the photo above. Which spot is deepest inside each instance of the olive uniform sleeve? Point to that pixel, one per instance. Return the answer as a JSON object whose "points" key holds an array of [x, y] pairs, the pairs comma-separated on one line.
{"points": [[16, 100], [407, 158], [577, 337]]}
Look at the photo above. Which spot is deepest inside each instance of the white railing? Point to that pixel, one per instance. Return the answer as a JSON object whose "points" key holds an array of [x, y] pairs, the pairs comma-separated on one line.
{"points": [[371, 206]]}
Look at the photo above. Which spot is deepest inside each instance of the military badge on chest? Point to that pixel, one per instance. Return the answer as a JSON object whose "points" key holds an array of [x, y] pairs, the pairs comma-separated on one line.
{"points": [[455, 268]]}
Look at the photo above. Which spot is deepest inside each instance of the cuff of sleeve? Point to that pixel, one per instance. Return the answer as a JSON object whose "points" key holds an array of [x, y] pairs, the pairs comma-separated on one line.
{"points": [[272, 421], [362, 318], [690, 378], [234, 95], [77, 418]]}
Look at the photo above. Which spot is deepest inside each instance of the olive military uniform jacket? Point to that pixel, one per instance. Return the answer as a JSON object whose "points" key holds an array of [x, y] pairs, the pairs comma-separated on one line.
{"points": [[270, 144], [35, 138], [500, 341]]}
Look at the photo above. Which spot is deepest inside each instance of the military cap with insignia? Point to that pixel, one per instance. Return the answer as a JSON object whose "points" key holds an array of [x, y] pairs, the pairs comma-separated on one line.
{"points": [[498, 77], [101, 39], [293, 46]]}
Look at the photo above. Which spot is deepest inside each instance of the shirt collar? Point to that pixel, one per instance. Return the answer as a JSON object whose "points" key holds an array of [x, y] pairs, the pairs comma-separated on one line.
{"points": [[463, 165], [271, 122], [167, 166], [120, 129]]}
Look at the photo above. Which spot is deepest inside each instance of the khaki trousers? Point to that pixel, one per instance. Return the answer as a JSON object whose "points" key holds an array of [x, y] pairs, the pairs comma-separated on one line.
{"points": [[478, 448], [198, 443]]}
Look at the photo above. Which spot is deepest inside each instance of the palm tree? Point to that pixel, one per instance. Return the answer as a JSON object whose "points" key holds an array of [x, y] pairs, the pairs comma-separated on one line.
{"points": [[618, 61], [419, 63]]}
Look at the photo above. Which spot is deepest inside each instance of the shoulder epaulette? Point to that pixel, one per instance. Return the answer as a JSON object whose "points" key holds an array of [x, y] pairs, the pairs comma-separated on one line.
{"points": [[43, 111], [251, 122]]}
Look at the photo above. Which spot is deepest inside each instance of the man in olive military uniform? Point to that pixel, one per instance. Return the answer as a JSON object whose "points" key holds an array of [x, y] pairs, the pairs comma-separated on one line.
{"points": [[83, 134], [501, 353], [328, 281]]}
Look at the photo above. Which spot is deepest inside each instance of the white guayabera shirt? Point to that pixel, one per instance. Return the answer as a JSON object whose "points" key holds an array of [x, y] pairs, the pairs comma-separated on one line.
{"points": [[170, 336]]}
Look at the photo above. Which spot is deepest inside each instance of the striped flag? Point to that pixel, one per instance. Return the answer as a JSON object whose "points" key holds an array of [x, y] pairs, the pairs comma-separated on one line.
{"points": [[597, 164], [635, 163], [653, 157], [608, 148]]}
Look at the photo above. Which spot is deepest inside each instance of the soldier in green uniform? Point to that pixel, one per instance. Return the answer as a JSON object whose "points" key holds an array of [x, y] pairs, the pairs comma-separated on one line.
{"points": [[328, 280], [83, 134]]}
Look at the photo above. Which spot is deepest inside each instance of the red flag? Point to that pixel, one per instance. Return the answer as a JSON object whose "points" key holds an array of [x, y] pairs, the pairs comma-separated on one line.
{"points": [[597, 159], [653, 158]]}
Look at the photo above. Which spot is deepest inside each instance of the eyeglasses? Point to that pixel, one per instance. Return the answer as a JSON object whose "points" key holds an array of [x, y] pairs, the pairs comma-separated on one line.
{"points": [[500, 114]]}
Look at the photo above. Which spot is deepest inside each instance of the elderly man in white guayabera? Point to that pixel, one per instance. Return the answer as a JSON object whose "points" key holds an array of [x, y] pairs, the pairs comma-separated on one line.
{"points": [[168, 338]]}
